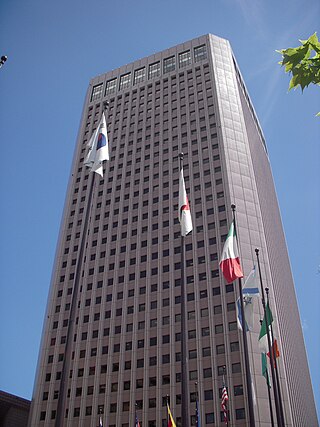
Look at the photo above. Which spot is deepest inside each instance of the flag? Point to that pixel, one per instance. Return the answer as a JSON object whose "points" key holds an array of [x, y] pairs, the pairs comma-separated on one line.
{"points": [[248, 313], [98, 148], [251, 286], [100, 422], [264, 365], [274, 350], [171, 422], [263, 337], [224, 401], [137, 422], [254, 396], [250, 289], [230, 262], [184, 208], [198, 422]]}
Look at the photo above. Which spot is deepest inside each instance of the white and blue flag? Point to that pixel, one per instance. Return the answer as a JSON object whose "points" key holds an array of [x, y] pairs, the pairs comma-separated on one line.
{"points": [[249, 291], [98, 148]]}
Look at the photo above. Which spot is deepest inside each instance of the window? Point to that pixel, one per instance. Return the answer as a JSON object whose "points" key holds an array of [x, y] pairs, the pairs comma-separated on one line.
{"points": [[218, 329], [200, 53], [217, 309], [236, 368], [207, 373], [193, 375], [208, 395], [169, 64], [192, 354], [206, 351], [238, 390], [233, 326], [154, 70], [220, 349], [234, 346], [205, 332], [240, 414], [125, 81], [231, 306], [210, 418], [96, 92], [111, 86], [184, 59], [139, 75]]}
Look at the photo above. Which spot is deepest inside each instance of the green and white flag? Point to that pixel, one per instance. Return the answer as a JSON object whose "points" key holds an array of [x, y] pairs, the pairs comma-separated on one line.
{"points": [[264, 365], [263, 337]]}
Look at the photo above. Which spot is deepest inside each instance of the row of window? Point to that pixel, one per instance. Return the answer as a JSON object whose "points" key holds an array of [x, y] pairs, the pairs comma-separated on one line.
{"points": [[209, 417], [139, 383], [193, 374], [154, 70]]}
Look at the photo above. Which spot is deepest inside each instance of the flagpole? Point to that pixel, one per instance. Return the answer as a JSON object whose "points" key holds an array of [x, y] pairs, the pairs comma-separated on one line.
{"points": [[76, 283], [245, 342], [273, 358], [59, 421], [266, 317], [184, 371], [269, 393]]}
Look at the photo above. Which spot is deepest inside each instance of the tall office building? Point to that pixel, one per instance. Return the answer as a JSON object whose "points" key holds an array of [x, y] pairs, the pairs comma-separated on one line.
{"points": [[112, 336]]}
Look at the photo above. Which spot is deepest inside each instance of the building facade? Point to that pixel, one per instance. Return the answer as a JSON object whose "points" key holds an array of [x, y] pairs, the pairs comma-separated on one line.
{"points": [[112, 337], [14, 410]]}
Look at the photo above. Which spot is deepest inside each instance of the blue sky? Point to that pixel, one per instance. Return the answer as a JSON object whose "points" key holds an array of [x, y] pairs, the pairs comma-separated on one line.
{"points": [[54, 48]]}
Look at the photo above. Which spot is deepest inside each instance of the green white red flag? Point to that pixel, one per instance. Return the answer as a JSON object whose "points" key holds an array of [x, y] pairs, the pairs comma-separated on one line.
{"points": [[230, 262], [264, 366], [263, 337]]}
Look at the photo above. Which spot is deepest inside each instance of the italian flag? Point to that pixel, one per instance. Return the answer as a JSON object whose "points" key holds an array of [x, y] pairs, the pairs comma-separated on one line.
{"points": [[264, 366], [263, 337], [230, 262], [171, 422]]}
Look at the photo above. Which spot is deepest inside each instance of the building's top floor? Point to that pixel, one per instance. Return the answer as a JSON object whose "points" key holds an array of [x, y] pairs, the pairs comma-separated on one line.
{"points": [[151, 67], [159, 65]]}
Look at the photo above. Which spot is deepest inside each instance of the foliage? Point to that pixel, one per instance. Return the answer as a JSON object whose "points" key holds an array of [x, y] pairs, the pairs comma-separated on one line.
{"points": [[303, 62]]}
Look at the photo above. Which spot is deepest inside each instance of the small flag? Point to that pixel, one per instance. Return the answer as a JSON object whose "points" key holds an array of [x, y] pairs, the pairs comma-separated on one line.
{"points": [[230, 262], [100, 422], [184, 208], [137, 422], [198, 422], [263, 337], [264, 365], [98, 148], [250, 289], [171, 422], [224, 401], [274, 350]]}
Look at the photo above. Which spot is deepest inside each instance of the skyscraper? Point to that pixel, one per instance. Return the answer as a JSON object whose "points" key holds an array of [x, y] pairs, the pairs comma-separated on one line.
{"points": [[111, 344]]}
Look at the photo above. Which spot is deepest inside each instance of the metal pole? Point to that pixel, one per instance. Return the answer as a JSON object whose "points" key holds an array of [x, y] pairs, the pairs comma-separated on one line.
{"points": [[266, 317], [273, 359], [245, 342], [71, 321], [269, 394], [184, 356]]}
